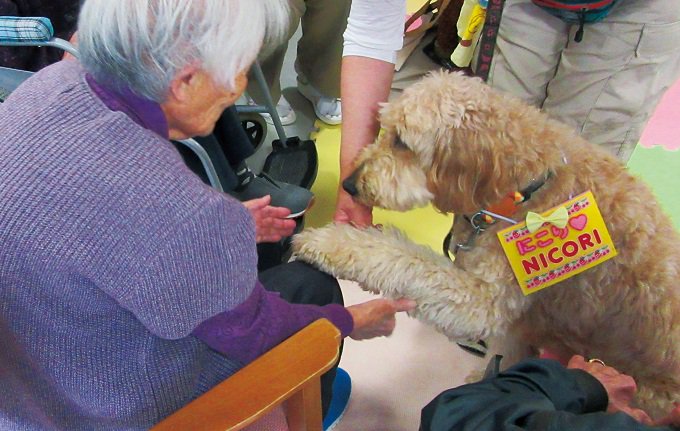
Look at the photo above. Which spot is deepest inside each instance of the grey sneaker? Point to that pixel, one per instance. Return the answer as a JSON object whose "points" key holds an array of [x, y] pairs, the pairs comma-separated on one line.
{"points": [[296, 199]]}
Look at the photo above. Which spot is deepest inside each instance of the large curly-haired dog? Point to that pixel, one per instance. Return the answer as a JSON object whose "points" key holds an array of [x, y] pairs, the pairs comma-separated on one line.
{"points": [[455, 142]]}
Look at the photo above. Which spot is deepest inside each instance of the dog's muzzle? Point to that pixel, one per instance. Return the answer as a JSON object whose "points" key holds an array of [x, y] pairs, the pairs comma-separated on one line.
{"points": [[350, 183]]}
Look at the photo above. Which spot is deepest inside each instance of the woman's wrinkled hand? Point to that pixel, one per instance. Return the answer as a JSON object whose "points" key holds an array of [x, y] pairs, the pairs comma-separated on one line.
{"points": [[271, 224], [376, 318], [620, 388], [673, 418]]}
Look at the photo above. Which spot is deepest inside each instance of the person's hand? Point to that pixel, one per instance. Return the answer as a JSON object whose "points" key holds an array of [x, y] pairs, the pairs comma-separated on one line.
{"points": [[376, 318], [271, 223], [620, 387], [347, 210], [673, 419]]}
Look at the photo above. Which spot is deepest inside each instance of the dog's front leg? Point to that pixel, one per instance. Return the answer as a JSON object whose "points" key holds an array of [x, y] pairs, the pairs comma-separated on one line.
{"points": [[456, 303]]}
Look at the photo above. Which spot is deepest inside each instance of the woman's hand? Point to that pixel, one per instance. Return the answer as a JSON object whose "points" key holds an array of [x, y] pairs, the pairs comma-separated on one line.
{"points": [[620, 387], [673, 419], [347, 210], [376, 318], [271, 223]]}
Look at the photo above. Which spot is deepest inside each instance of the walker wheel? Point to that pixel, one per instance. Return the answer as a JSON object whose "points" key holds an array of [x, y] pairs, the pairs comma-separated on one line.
{"points": [[255, 127]]}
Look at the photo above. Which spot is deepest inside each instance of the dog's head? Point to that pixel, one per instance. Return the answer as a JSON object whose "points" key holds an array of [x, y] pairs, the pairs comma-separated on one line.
{"points": [[453, 141]]}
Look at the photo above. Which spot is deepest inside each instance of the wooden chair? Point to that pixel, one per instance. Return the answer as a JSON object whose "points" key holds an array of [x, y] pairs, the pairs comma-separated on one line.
{"points": [[287, 375]]}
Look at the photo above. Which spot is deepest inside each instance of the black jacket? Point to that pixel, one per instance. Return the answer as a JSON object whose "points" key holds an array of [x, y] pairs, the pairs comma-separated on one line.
{"points": [[536, 395]]}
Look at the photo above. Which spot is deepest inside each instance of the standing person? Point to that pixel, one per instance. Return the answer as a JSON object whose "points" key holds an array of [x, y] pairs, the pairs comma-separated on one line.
{"points": [[318, 60], [541, 394], [607, 92], [607, 85], [127, 286]]}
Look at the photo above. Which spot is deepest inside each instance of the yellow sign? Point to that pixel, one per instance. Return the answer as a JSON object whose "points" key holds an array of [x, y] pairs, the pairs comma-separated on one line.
{"points": [[552, 253]]}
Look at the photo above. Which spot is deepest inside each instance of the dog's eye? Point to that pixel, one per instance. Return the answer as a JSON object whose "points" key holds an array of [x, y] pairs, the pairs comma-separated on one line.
{"points": [[399, 144]]}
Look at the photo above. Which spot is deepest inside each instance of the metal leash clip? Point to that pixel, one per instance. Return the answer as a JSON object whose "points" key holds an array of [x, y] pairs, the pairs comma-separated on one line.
{"points": [[479, 221], [479, 225]]}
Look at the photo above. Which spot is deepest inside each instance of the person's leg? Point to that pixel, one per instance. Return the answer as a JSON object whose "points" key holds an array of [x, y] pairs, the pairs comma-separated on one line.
{"points": [[527, 52], [273, 63], [608, 85], [300, 283], [319, 51], [225, 173], [228, 147], [319, 56], [233, 139]]}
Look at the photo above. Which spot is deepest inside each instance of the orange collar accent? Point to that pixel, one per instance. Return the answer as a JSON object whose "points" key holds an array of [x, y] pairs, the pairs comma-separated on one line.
{"points": [[507, 207], [503, 209]]}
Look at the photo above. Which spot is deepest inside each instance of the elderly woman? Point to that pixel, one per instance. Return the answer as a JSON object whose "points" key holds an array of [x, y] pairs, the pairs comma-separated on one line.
{"points": [[127, 286]]}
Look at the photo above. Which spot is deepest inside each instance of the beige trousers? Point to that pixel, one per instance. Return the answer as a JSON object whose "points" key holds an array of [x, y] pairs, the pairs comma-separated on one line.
{"points": [[319, 51], [606, 86]]}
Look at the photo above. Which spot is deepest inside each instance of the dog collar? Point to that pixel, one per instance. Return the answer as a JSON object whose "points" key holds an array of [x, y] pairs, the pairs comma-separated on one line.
{"points": [[502, 210]]}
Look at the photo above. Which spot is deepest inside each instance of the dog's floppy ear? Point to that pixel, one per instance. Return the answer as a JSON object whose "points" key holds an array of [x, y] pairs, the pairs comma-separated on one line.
{"points": [[469, 171], [487, 144], [469, 168]]}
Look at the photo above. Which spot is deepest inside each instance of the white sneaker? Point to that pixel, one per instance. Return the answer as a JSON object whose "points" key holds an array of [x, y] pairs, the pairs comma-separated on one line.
{"points": [[285, 111], [327, 109]]}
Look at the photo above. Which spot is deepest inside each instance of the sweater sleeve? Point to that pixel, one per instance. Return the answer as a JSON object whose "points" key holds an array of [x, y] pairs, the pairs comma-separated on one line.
{"points": [[375, 29], [533, 395], [262, 322]]}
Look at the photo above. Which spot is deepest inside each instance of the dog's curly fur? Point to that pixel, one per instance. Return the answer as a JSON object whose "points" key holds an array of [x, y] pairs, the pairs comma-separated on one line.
{"points": [[455, 142]]}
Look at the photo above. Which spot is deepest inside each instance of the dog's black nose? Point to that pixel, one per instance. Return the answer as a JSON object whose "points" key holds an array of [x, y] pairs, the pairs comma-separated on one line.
{"points": [[350, 183]]}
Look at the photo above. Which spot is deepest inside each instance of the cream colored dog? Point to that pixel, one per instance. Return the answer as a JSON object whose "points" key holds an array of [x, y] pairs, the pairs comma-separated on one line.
{"points": [[453, 141]]}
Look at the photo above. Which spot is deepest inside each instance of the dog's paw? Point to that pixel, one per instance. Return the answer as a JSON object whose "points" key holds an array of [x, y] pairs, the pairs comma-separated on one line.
{"points": [[335, 248], [315, 245]]}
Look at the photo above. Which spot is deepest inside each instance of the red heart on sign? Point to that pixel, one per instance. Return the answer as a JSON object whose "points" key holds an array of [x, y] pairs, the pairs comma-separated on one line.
{"points": [[578, 222]]}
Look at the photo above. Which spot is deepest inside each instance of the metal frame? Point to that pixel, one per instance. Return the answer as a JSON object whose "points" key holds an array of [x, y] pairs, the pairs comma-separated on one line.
{"points": [[55, 42], [205, 161], [269, 106]]}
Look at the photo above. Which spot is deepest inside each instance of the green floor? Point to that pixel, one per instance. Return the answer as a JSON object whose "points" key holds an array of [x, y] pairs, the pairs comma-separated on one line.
{"points": [[660, 168]]}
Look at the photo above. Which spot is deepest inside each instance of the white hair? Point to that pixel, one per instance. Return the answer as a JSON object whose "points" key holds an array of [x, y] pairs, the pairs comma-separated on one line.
{"points": [[143, 44]]}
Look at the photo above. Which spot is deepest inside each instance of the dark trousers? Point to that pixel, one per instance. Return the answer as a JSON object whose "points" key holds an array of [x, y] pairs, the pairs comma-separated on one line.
{"points": [[299, 283]]}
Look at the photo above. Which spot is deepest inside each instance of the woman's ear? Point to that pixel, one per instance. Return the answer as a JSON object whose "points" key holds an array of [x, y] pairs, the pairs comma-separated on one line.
{"points": [[184, 83]]}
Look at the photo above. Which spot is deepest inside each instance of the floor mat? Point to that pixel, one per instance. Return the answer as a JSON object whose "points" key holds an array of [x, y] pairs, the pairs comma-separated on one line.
{"points": [[657, 159]]}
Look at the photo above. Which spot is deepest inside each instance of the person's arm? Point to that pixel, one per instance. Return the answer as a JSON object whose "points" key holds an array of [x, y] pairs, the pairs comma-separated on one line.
{"points": [[533, 395], [365, 84], [264, 320], [372, 39]]}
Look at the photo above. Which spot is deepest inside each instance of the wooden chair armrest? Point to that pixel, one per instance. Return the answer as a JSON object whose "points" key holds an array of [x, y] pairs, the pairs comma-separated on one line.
{"points": [[289, 371]]}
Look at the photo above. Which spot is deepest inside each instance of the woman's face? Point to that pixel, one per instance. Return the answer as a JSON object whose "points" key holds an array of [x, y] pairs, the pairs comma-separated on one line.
{"points": [[196, 102]]}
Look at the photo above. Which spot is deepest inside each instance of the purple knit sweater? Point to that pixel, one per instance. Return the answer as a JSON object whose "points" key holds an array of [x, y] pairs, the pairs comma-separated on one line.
{"points": [[113, 254]]}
